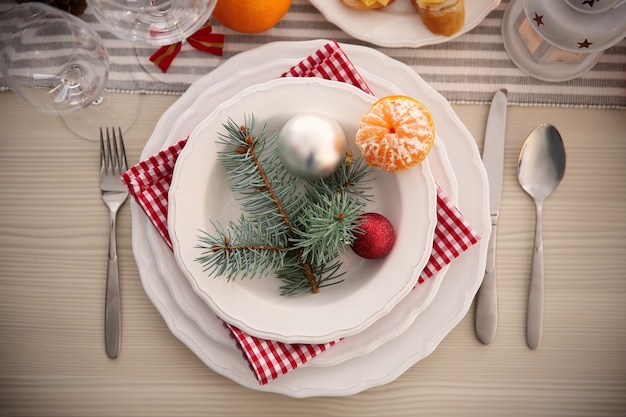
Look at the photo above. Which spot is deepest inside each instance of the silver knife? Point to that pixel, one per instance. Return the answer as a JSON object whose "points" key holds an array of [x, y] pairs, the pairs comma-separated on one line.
{"points": [[493, 159]]}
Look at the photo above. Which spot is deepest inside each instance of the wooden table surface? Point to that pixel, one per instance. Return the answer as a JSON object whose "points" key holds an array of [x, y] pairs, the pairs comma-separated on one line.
{"points": [[53, 246]]}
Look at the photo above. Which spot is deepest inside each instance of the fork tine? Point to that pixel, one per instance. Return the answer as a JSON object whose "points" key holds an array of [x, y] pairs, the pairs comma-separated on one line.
{"points": [[116, 152], [123, 149], [108, 154], [112, 152], [102, 154], [115, 156]]}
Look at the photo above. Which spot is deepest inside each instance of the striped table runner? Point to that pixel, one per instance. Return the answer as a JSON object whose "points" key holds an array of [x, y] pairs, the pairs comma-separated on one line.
{"points": [[467, 69]]}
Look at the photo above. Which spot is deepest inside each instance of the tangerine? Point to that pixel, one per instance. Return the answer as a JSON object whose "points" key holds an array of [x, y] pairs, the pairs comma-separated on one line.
{"points": [[250, 16], [396, 133]]}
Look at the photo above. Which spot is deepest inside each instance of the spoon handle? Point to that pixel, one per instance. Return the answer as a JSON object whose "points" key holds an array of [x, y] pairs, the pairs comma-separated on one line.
{"points": [[534, 319]]}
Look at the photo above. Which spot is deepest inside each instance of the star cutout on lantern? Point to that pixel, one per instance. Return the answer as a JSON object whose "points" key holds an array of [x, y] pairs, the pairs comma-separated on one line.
{"points": [[584, 44], [590, 2], [538, 19]]}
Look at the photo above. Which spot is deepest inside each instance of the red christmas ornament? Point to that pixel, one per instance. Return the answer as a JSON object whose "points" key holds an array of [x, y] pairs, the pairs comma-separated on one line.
{"points": [[377, 238]]}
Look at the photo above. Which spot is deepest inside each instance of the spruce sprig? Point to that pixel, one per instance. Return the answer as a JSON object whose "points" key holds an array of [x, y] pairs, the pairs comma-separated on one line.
{"points": [[292, 230], [242, 254]]}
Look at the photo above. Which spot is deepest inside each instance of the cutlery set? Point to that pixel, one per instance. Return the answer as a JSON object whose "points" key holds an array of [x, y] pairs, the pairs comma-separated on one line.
{"points": [[541, 168], [195, 310]]}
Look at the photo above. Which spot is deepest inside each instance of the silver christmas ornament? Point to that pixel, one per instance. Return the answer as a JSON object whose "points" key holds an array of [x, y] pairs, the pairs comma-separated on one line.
{"points": [[311, 145]]}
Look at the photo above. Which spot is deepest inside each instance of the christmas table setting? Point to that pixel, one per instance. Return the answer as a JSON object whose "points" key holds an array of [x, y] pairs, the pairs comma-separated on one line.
{"points": [[145, 183], [392, 335]]}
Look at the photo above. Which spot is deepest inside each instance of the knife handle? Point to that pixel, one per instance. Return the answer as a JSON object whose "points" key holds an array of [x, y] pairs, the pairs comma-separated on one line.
{"points": [[487, 301]]}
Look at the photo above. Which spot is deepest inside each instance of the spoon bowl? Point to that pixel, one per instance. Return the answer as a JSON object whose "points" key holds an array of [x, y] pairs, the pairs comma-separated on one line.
{"points": [[540, 169]]}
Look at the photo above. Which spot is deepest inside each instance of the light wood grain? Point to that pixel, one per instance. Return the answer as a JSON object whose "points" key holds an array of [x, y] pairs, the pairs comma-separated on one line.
{"points": [[53, 242]]}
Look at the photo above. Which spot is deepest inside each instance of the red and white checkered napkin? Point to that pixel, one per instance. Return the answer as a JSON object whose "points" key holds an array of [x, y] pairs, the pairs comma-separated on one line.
{"points": [[149, 182]]}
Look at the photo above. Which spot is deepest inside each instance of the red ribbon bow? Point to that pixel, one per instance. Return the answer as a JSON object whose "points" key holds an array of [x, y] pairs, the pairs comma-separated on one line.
{"points": [[202, 40]]}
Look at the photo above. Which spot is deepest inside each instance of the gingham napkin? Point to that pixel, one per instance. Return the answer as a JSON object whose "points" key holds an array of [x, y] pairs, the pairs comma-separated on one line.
{"points": [[149, 182]]}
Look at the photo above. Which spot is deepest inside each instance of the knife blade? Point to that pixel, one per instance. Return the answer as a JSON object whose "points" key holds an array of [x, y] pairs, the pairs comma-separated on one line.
{"points": [[493, 159]]}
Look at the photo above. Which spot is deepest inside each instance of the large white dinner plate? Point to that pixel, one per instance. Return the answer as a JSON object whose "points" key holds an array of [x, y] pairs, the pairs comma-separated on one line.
{"points": [[399, 24], [200, 196], [446, 310], [185, 115]]}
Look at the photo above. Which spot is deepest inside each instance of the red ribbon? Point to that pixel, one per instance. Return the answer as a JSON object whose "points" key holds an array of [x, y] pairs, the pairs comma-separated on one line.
{"points": [[202, 40]]}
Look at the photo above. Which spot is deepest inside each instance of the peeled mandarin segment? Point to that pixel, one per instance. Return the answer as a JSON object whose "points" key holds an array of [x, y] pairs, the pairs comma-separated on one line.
{"points": [[397, 133]]}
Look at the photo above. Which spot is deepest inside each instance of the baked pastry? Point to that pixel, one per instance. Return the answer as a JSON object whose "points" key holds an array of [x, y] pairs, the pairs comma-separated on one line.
{"points": [[367, 4], [442, 17]]}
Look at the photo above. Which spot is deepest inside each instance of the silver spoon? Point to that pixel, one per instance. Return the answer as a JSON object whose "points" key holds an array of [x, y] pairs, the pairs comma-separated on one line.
{"points": [[540, 169]]}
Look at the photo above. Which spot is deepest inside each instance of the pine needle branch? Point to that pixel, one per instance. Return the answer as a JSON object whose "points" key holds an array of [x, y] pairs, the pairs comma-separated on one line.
{"points": [[326, 276], [293, 231], [242, 250], [326, 226], [352, 177], [330, 220], [245, 160]]}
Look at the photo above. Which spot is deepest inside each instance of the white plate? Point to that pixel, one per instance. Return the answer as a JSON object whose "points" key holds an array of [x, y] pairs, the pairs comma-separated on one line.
{"points": [[399, 24], [449, 306], [200, 195], [187, 115]]}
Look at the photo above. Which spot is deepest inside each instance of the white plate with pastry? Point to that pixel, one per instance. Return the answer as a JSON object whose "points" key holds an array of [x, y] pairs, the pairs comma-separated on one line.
{"points": [[399, 24]]}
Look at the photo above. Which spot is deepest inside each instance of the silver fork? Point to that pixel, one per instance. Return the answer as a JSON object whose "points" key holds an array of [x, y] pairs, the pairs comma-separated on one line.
{"points": [[114, 193]]}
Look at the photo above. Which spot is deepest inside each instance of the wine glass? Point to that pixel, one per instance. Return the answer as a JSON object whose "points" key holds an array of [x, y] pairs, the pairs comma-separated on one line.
{"points": [[52, 61], [57, 64], [152, 22]]}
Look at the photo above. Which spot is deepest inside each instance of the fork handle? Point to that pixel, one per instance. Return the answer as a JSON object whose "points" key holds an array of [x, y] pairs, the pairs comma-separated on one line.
{"points": [[112, 317]]}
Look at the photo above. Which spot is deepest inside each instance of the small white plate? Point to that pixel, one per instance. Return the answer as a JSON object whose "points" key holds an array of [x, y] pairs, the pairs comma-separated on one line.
{"points": [[199, 195], [397, 25]]}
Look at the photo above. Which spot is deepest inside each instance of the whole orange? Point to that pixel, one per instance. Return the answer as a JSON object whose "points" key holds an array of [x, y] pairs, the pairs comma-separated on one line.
{"points": [[250, 16]]}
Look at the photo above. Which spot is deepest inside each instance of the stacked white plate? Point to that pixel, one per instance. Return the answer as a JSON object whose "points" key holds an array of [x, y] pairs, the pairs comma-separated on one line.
{"points": [[378, 347]]}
